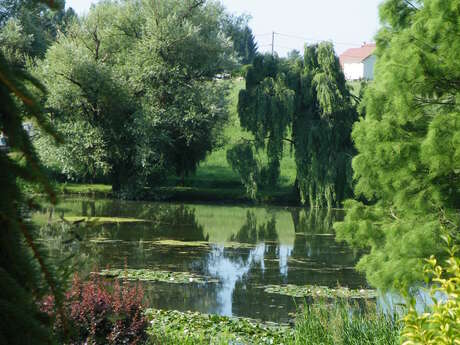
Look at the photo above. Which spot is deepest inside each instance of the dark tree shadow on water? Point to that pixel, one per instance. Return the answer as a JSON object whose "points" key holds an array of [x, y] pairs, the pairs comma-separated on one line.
{"points": [[253, 233]]}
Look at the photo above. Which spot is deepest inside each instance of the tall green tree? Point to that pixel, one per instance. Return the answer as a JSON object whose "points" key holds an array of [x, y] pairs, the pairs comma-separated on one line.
{"points": [[89, 103], [244, 43], [24, 275], [158, 60], [174, 67], [307, 104], [266, 108], [15, 44], [408, 164], [37, 21], [321, 129]]}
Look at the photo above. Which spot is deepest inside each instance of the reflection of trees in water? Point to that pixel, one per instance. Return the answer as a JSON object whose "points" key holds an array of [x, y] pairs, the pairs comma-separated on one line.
{"points": [[84, 245], [168, 221], [314, 221], [315, 237], [250, 232], [180, 223], [65, 248], [84, 208]]}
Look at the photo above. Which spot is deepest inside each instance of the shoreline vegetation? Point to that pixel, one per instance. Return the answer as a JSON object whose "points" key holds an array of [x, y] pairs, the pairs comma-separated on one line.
{"points": [[316, 324], [284, 197]]}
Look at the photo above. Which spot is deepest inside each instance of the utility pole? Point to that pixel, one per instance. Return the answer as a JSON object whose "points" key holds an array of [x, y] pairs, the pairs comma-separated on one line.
{"points": [[273, 43]]}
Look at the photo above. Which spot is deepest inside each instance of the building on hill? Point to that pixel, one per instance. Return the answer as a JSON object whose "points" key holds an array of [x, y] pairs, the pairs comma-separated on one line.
{"points": [[358, 63]]}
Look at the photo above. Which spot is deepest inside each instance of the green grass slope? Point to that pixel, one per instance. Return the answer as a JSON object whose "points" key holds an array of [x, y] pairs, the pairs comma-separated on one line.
{"points": [[216, 173]]}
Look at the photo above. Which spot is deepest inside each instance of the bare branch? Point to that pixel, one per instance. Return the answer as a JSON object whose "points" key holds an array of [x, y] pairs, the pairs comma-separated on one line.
{"points": [[194, 5], [410, 4], [73, 81]]}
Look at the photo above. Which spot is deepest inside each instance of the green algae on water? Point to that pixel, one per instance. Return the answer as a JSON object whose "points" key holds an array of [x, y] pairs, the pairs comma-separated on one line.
{"points": [[319, 291], [176, 243], [157, 276]]}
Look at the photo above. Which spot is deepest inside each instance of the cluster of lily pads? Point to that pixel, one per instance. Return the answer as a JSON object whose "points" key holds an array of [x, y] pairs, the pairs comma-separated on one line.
{"points": [[190, 325], [176, 243], [157, 276], [319, 291]]}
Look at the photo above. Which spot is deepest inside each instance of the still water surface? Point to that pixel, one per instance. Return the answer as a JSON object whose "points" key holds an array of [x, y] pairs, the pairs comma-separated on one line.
{"points": [[249, 247]]}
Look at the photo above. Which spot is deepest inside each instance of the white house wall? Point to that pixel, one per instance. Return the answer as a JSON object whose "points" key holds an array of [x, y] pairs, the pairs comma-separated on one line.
{"points": [[353, 71], [369, 64]]}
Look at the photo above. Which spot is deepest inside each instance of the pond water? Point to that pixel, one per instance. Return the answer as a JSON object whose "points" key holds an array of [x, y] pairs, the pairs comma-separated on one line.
{"points": [[244, 248]]}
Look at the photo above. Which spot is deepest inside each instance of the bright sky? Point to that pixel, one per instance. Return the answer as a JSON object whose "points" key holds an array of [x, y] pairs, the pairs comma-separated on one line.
{"points": [[348, 23]]}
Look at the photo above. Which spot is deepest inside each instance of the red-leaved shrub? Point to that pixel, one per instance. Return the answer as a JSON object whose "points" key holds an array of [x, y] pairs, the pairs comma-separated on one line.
{"points": [[100, 312]]}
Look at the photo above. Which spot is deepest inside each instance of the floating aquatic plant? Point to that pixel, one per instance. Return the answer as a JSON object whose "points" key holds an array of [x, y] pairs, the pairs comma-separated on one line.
{"points": [[187, 325], [157, 276], [176, 243], [319, 291]]}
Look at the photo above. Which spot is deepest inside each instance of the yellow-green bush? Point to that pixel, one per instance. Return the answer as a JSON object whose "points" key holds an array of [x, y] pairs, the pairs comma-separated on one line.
{"points": [[441, 325]]}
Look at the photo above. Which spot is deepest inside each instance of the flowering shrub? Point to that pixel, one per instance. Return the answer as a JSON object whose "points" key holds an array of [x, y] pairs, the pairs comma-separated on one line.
{"points": [[97, 312]]}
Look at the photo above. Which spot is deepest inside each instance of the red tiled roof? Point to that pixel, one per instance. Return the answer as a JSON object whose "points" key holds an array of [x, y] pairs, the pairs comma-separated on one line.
{"points": [[357, 54]]}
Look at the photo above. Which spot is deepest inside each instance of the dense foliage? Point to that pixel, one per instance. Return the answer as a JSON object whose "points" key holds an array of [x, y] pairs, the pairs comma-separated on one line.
{"points": [[441, 323], [244, 161], [321, 130], [82, 88], [38, 23], [159, 61], [308, 100], [99, 312], [24, 275], [408, 163]]}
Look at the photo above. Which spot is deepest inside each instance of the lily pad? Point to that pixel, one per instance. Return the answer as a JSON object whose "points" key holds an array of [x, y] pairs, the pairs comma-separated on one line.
{"points": [[319, 291], [176, 243], [181, 325], [157, 276]]}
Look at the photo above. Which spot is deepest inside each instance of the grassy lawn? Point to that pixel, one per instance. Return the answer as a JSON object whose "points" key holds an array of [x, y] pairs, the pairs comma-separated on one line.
{"points": [[216, 170]]}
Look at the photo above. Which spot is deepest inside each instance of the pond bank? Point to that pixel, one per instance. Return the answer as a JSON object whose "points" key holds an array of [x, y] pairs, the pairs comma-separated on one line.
{"points": [[231, 196]]}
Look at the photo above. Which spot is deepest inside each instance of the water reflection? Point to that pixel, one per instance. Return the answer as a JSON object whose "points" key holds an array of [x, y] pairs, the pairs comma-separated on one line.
{"points": [[277, 246], [229, 271], [250, 232]]}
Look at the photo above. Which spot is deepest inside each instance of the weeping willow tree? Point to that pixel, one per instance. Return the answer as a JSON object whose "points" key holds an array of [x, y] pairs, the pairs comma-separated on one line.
{"points": [[307, 104], [24, 275], [321, 129], [266, 108]]}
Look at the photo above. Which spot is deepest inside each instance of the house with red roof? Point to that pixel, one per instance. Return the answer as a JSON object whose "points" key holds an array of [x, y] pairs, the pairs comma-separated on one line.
{"points": [[358, 63]]}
